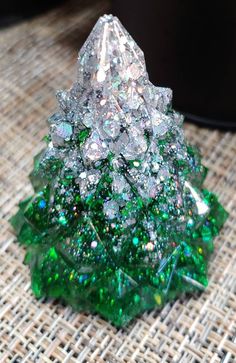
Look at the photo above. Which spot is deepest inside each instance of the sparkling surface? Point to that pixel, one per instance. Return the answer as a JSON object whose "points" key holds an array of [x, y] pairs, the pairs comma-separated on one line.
{"points": [[119, 222]]}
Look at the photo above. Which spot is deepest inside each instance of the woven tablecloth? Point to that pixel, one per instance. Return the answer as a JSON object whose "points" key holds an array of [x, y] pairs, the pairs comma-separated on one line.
{"points": [[37, 57]]}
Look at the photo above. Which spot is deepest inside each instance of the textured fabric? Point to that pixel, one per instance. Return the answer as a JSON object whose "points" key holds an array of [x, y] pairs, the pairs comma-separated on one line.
{"points": [[38, 57]]}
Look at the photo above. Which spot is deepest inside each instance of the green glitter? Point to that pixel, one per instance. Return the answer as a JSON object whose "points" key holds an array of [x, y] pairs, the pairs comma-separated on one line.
{"points": [[119, 222], [53, 254], [135, 241], [62, 220], [83, 135]]}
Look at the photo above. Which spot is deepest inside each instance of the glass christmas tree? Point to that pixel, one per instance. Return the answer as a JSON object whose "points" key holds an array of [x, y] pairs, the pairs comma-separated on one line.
{"points": [[119, 222]]}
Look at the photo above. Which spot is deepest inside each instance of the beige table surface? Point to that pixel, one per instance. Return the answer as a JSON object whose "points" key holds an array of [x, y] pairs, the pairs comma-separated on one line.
{"points": [[38, 57]]}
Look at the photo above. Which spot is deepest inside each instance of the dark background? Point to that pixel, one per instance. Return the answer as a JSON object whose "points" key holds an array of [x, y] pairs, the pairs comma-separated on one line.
{"points": [[189, 46]]}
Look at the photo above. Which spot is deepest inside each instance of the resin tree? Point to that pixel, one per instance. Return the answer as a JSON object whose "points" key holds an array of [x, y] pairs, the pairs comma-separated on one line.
{"points": [[119, 222]]}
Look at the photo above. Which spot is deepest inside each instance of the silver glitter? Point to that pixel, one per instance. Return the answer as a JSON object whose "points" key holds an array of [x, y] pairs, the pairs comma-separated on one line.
{"points": [[61, 133], [119, 184], [94, 149], [111, 209]]}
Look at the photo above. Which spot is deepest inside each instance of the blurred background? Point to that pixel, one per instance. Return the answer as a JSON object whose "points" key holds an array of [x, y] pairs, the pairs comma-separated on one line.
{"points": [[189, 46]]}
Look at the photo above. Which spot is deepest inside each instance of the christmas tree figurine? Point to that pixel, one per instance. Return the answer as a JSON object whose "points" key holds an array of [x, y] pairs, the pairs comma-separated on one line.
{"points": [[119, 222]]}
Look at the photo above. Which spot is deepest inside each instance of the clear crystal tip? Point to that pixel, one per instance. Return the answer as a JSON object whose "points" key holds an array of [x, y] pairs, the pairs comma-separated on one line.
{"points": [[109, 52]]}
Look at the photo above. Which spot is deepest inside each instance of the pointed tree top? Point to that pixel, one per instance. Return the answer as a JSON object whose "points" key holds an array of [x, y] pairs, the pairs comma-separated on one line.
{"points": [[110, 52]]}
